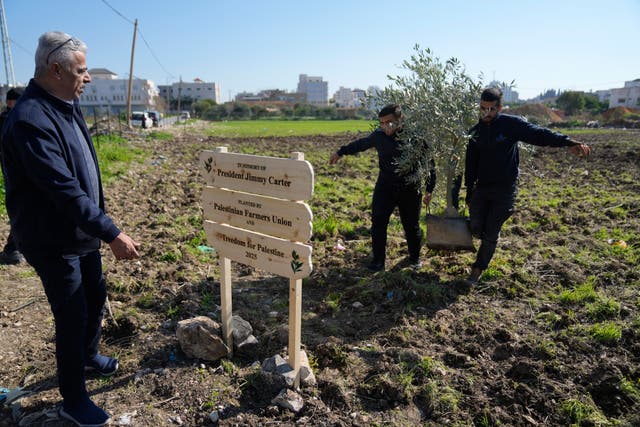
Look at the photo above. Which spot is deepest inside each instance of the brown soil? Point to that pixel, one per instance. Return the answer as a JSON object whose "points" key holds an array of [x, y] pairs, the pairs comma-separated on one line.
{"points": [[617, 112], [536, 112], [420, 348]]}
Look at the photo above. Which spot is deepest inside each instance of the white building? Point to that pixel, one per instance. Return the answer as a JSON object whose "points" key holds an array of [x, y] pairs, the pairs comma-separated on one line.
{"points": [[508, 94], [359, 96], [343, 97], [348, 98], [604, 95], [372, 93], [317, 90], [195, 91], [627, 96], [107, 92]]}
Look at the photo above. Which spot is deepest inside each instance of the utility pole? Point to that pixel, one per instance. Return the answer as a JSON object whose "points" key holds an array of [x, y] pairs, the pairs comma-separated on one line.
{"points": [[133, 49], [179, 97], [169, 93], [6, 48]]}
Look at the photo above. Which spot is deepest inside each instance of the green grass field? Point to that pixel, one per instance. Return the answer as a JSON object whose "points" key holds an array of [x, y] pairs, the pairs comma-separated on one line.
{"points": [[257, 128]]}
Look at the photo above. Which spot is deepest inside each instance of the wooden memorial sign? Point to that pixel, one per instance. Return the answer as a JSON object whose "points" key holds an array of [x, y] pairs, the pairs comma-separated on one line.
{"points": [[267, 215], [289, 179], [254, 215], [272, 254]]}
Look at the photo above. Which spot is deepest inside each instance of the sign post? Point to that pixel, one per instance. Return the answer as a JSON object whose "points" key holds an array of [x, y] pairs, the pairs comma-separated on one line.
{"points": [[254, 214]]}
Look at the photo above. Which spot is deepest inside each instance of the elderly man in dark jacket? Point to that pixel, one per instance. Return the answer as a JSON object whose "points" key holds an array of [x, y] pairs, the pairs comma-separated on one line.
{"points": [[492, 168], [56, 208]]}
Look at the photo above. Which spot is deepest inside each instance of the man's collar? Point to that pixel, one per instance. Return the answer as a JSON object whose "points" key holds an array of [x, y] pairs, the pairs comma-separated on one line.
{"points": [[66, 107]]}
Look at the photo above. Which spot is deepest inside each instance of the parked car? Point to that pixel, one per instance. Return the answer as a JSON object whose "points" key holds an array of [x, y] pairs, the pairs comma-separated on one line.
{"points": [[156, 116], [184, 115], [141, 119]]}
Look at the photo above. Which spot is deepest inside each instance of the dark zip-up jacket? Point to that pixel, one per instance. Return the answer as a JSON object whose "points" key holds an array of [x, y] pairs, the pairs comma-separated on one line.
{"points": [[47, 180], [492, 158], [388, 148]]}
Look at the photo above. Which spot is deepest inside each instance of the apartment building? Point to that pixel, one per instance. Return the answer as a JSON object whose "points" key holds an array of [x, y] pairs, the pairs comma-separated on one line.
{"points": [[273, 96], [107, 92], [508, 94], [315, 88], [627, 96], [194, 91], [349, 98]]}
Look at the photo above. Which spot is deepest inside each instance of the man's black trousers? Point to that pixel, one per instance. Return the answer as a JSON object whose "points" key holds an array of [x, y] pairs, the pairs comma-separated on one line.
{"points": [[408, 201], [76, 291], [490, 207]]}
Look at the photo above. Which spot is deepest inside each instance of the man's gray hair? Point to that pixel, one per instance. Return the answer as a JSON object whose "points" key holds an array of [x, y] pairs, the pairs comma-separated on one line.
{"points": [[56, 46]]}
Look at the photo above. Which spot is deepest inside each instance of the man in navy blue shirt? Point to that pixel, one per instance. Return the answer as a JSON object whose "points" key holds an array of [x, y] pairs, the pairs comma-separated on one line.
{"points": [[492, 168], [55, 203], [10, 253], [391, 188]]}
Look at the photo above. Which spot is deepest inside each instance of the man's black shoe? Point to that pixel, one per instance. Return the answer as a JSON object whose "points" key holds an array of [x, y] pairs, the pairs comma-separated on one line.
{"points": [[104, 365], [11, 258], [84, 414], [415, 264], [474, 276], [375, 266]]}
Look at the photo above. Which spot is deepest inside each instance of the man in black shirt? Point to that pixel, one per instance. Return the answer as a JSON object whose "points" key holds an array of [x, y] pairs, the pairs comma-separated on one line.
{"points": [[491, 170], [10, 254], [391, 188]]}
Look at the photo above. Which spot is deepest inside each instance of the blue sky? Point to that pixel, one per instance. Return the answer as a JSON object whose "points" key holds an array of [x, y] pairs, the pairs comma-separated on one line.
{"points": [[252, 45]]}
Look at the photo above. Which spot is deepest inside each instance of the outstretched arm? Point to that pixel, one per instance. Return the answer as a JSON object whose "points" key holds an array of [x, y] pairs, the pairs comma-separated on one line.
{"points": [[354, 147]]}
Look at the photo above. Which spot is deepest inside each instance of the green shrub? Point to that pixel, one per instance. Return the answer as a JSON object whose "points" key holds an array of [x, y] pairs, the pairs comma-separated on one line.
{"points": [[601, 309], [583, 293], [607, 333]]}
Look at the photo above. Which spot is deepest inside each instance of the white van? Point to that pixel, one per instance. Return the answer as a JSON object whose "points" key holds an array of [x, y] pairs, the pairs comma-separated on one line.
{"points": [[141, 119]]}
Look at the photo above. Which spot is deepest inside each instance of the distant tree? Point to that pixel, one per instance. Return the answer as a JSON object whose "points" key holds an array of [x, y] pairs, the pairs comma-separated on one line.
{"points": [[258, 111], [549, 93], [287, 112], [160, 103], [240, 110], [216, 112], [593, 104], [304, 110], [440, 104], [327, 113], [202, 105], [571, 102]]}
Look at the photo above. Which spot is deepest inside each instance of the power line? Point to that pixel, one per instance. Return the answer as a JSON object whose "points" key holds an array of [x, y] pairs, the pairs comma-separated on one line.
{"points": [[14, 43], [116, 11], [143, 39], [154, 55]]}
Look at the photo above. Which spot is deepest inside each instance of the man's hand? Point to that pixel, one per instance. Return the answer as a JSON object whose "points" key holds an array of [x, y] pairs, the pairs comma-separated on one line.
{"points": [[427, 199], [334, 158], [124, 247], [580, 149]]}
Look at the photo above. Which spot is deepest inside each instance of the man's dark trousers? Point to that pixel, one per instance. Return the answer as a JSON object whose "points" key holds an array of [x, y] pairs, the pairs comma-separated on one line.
{"points": [[76, 291], [490, 207], [408, 201]]}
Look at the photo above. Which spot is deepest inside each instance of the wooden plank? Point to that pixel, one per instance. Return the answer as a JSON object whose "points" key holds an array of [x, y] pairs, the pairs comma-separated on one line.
{"points": [[295, 327], [272, 254], [275, 217], [290, 179], [226, 302]]}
